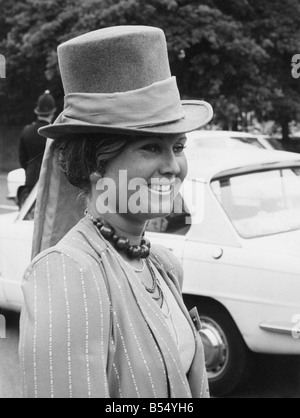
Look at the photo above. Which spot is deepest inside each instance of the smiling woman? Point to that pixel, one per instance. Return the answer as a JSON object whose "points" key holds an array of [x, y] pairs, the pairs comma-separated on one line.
{"points": [[104, 314], [81, 155]]}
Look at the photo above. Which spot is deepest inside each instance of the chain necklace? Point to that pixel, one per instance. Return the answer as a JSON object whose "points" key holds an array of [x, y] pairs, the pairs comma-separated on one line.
{"points": [[141, 270], [155, 287], [161, 300]]}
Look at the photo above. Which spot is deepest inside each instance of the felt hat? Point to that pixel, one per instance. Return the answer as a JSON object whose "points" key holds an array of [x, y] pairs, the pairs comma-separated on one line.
{"points": [[118, 80], [46, 104]]}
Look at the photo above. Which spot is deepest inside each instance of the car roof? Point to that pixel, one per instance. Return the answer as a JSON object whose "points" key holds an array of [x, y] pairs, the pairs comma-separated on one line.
{"points": [[220, 134], [206, 164]]}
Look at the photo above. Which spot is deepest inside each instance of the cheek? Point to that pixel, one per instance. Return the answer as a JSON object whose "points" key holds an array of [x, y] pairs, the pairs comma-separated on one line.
{"points": [[183, 168], [130, 162], [124, 170]]}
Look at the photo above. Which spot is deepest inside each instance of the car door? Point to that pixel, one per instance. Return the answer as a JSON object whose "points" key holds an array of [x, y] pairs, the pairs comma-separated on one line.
{"points": [[16, 246], [171, 232]]}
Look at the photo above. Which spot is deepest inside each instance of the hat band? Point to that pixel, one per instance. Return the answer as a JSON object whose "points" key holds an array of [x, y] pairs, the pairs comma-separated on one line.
{"points": [[158, 104]]}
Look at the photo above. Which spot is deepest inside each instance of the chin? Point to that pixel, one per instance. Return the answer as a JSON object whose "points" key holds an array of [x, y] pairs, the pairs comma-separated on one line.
{"points": [[150, 217]]}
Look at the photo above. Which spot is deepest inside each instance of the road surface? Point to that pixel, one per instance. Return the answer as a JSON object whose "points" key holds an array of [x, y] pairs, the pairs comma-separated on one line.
{"points": [[10, 380], [272, 377]]}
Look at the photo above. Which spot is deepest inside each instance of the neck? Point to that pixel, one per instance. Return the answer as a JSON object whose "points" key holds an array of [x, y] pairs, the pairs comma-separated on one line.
{"points": [[123, 225]]}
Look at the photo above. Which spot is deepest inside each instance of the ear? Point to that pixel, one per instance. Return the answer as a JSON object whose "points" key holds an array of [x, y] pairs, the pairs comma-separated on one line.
{"points": [[95, 177]]}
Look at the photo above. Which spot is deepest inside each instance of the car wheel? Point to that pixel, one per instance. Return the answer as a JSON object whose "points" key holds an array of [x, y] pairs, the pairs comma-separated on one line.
{"points": [[226, 353]]}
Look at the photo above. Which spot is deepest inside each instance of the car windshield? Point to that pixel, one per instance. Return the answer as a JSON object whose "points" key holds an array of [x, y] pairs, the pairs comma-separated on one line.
{"points": [[261, 203], [225, 142]]}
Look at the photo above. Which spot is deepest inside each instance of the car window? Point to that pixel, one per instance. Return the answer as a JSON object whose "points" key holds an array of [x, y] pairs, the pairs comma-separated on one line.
{"points": [[275, 143], [245, 142], [262, 203], [173, 224]]}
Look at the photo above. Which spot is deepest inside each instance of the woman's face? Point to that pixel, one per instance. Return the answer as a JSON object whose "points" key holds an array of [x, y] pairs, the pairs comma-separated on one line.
{"points": [[145, 177]]}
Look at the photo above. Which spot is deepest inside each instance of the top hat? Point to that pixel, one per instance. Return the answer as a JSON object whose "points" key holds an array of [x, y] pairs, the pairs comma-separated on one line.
{"points": [[118, 80], [46, 104]]}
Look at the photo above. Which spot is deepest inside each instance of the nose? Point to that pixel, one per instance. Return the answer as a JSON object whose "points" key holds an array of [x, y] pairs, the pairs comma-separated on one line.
{"points": [[170, 165]]}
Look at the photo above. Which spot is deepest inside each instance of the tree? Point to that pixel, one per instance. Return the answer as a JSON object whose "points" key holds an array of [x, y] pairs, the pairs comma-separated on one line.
{"points": [[276, 26], [234, 53]]}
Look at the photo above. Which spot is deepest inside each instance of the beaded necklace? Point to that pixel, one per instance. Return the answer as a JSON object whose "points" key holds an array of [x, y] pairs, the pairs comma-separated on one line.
{"points": [[135, 252], [161, 299]]}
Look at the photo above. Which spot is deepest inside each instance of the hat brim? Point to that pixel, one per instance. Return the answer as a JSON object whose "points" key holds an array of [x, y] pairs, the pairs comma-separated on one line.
{"points": [[198, 114]]}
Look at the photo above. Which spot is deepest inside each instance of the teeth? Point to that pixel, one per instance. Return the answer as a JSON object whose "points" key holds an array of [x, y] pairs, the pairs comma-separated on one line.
{"points": [[160, 188]]}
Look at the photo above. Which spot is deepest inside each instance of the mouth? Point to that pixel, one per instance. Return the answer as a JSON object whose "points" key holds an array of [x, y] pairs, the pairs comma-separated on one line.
{"points": [[161, 189]]}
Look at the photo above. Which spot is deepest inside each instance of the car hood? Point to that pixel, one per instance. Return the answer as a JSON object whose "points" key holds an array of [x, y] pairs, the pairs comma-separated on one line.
{"points": [[287, 243], [6, 222], [8, 218]]}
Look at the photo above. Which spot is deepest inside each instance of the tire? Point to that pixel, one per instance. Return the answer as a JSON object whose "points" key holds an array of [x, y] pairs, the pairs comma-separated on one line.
{"points": [[225, 350]]}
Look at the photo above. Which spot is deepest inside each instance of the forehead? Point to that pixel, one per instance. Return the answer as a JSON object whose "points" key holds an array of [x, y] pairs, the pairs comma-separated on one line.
{"points": [[164, 140]]}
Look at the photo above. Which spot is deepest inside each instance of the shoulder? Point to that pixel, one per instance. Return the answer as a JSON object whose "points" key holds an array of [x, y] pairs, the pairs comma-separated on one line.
{"points": [[56, 274], [79, 248], [57, 262], [29, 127], [28, 130], [166, 256], [25, 130], [169, 262]]}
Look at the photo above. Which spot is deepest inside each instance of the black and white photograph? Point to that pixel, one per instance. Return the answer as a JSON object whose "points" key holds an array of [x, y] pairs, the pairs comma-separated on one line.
{"points": [[149, 201]]}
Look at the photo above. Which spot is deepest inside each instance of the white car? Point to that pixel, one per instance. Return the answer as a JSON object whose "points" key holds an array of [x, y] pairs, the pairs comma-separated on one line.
{"points": [[241, 263], [240, 255], [231, 140], [15, 180], [16, 234]]}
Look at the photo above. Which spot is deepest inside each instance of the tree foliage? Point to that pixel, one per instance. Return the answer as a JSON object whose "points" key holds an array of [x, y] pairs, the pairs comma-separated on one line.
{"points": [[234, 53]]}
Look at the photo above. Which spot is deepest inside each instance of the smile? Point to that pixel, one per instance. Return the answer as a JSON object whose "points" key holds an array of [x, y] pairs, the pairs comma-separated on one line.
{"points": [[162, 189]]}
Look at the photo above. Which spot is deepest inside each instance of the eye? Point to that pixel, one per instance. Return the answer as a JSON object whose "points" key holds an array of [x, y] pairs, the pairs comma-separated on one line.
{"points": [[178, 149], [154, 148]]}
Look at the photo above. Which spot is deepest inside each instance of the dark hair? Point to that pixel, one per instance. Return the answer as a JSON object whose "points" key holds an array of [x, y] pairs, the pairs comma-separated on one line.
{"points": [[80, 155]]}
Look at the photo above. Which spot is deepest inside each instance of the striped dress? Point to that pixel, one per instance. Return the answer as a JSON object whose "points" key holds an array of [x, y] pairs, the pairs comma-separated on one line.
{"points": [[89, 329]]}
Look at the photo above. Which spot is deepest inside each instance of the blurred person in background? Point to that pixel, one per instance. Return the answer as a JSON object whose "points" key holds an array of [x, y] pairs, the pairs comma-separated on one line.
{"points": [[32, 145]]}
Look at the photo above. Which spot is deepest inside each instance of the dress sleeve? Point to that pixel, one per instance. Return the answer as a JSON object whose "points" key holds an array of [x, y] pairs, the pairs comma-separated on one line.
{"points": [[65, 328]]}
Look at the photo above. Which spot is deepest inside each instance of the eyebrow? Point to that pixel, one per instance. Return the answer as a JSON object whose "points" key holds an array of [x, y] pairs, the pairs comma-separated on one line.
{"points": [[157, 138]]}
